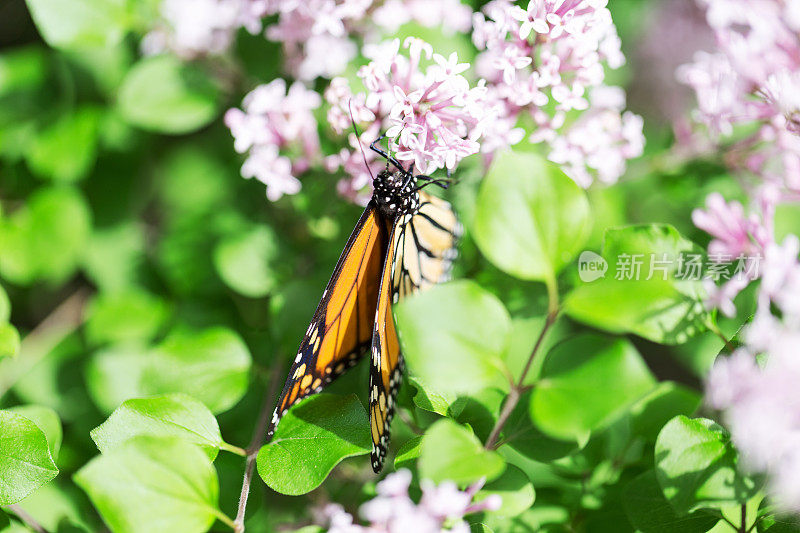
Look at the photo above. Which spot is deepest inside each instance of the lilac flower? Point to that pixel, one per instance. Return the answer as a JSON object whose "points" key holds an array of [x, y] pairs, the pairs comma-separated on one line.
{"points": [[193, 28], [422, 101], [753, 77], [273, 120], [441, 508], [548, 61], [316, 35]]}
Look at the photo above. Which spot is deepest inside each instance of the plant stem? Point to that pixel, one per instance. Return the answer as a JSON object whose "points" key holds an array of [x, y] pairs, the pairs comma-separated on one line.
{"points": [[233, 449], [62, 321], [26, 518], [712, 326], [255, 444], [743, 528], [518, 388]]}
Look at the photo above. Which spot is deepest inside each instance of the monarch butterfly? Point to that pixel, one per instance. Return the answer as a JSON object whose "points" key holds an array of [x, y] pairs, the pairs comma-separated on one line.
{"points": [[404, 242]]}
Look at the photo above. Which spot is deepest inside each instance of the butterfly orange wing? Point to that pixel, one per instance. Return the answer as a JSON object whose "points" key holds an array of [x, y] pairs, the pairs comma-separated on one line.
{"points": [[341, 330]]}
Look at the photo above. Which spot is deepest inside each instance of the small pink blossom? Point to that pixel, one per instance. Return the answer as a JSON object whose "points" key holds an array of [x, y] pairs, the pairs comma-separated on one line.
{"points": [[441, 508], [734, 233]]}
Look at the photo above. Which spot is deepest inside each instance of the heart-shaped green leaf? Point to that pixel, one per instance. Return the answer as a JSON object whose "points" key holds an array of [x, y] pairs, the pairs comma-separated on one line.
{"points": [[25, 461], [586, 382], [650, 512], [697, 466], [451, 452], [45, 419], [643, 290], [172, 415], [311, 439], [465, 326], [153, 485], [531, 219]]}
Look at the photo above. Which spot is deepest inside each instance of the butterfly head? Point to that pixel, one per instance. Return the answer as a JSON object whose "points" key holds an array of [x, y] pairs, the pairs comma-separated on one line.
{"points": [[395, 192]]}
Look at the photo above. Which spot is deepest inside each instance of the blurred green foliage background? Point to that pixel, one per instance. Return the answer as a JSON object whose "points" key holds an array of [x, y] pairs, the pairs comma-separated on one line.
{"points": [[135, 261]]}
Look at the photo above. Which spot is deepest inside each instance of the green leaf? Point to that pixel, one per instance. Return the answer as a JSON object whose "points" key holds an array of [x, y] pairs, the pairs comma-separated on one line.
{"points": [[25, 461], [65, 150], [5, 305], [246, 261], [523, 436], [429, 399], [133, 315], [9, 340], [77, 23], [465, 326], [586, 382], [515, 490], [697, 466], [311, 439], [211, 366], [408, 453], [114, 254], [44, 239], [650, 512], [153, 485], [114, 375], [173, 415], [667, 311], [531, 219], [45, 419], [666, 401], [451, 452], [164, 95]]}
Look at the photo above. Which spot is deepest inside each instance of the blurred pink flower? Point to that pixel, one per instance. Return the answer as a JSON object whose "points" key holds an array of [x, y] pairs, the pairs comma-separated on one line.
{"points": [[734, 233], [753, 78], [193, 28], [274, 120], [441, 508]]}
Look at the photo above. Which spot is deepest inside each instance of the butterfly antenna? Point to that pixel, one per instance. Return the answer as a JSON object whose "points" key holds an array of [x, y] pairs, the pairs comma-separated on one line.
{"points": [[358, 137]]}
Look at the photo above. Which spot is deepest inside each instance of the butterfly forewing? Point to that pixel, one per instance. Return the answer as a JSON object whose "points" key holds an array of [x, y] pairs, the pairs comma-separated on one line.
{"points": [[342, 328]]}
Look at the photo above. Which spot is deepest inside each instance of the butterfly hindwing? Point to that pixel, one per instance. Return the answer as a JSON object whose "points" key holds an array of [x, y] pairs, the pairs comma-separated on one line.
{"points": [[426, 246], [386, 362], [421, 252], [342, 328]]}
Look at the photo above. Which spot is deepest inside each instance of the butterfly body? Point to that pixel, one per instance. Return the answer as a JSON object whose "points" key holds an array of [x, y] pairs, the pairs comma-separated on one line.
{"points": [[404, 242], [394, 193]]}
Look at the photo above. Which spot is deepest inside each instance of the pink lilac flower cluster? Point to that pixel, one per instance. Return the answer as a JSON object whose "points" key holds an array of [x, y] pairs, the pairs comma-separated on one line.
{"points": [[546, 65], [431, 115], [316, 35], [756, 386], [193, 28], [753, 79], [272, 126], [441, 508]]}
